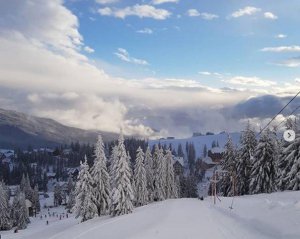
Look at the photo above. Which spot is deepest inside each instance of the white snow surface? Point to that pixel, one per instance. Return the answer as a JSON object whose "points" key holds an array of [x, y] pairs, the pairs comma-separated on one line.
{"points": [[272, 216]]}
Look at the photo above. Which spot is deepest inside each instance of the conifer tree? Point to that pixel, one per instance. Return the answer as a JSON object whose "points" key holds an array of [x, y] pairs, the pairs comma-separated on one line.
{"points": [[101, 180], [229, 165], [140, 179], [5, 221], [159, 174], [149, 174], [244, 164], [113, 158], [57, 195], [84, 202], [289, 172], [36, 198], [263, 174], [170, 179], [19, 214], [122, 193]]}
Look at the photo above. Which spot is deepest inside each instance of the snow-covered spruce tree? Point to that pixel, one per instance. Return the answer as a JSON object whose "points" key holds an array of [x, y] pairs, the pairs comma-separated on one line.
{"points": [[244, 164], [229, 165], [149, 174], [26, 188], [112, 159], [19, 214], [84, 202], [289, 166], [122, 193], [170, 178], [70, 185], [140, 179], [71, 200], [36, 198], [5, 221], [263, 173], [159, 174], [101, 180], [58, 197]]}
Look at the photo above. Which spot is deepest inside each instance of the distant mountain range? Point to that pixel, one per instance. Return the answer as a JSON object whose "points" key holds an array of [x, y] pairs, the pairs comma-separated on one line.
{"points": [[19, 130]]}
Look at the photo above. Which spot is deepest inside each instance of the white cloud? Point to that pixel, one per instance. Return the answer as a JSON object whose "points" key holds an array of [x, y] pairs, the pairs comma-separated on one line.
{"points": [[89, 49], [124, 56], [291, 62], [208, 16], [250, 81], [105, 11], [141, 11], [193, 13], [281, 36], [207, 73], [157, 2], [58, 28], [294, 48], [45, 80], [106, 1], [249, 10], [270, 15], [145, 31], [203, 15]]}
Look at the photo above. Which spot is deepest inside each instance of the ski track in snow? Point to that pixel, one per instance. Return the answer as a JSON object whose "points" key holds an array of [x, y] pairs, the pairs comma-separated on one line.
{"points": [[265, 216]]}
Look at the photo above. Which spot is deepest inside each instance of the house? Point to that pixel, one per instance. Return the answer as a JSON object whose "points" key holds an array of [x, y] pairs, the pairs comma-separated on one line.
{"points": [[216, 154], [51, 175], [29, 207], [73, 171], [7, 153], [178, 164]]}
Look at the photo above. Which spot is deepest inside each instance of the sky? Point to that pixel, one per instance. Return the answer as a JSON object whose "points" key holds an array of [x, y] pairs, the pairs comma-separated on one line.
{"points": [[153, 68]]}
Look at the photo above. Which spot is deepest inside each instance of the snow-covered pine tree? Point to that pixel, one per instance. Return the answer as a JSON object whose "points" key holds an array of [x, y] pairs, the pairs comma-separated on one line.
{"points": [[101, 180], [229, 165], [71, 200], [244, 164], [263, 173], [5, 221], [19, 214], [23, 183], [122, 193], [289, 171], [84, 202], [112, 159], [159, 174], [58, 197], [140, 179], [29, 193], [149, 174], [70, 185], [170, 179], [36, 198]]}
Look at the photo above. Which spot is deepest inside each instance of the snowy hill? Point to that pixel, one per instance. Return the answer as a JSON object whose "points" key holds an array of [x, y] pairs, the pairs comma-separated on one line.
{"points": [[20, 130], [263, 216], [199, 141]]}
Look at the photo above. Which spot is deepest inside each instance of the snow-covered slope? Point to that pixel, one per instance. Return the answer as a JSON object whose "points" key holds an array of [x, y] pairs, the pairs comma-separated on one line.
{"points": [[272, 216], [20, 130], [199, 141]]}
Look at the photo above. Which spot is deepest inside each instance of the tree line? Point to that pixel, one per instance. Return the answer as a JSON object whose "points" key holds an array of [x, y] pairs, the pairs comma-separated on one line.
{"points": [[263, 165], [114, 187]]}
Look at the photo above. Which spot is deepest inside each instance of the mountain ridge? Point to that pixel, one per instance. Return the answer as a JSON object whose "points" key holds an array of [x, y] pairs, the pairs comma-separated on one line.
{"points": [[19, 130]]}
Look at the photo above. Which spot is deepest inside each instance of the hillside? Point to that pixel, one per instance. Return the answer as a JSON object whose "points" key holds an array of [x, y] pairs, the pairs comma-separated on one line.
{"points": [[20, 130], [199, 141], [263, 216]]}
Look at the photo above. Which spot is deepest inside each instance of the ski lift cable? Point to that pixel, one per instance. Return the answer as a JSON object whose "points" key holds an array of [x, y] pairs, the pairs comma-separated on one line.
{"points": [[289, 115], [278, 113]]}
